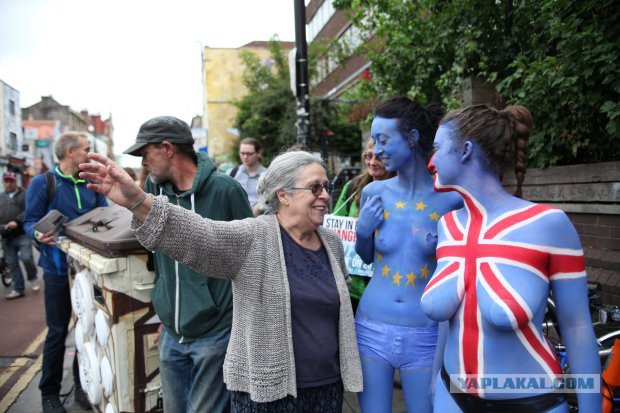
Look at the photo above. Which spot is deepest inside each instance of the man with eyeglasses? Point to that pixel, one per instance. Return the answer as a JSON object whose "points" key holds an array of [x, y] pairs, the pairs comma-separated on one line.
{"points": [[250, 170]]}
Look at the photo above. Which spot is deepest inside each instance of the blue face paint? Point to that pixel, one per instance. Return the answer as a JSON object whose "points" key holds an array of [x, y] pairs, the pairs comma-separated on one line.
{"points": [[390, 145], [445, 163]]}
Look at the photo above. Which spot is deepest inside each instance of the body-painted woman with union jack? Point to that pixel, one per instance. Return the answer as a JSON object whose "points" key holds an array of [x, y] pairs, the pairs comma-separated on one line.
{"points": [[497, 260]]}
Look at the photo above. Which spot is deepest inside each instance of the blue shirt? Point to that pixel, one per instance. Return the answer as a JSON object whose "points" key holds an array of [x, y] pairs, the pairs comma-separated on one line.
{"points": [[249, 182], [315, 311]]}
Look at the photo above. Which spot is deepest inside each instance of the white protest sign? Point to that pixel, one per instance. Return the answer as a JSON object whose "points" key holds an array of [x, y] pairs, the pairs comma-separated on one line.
{"points": [[345, 228]]}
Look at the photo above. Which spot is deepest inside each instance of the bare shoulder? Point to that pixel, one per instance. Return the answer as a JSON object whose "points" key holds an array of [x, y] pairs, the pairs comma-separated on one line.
{"points": [[558, 221], [551, 226], [377, 187]]}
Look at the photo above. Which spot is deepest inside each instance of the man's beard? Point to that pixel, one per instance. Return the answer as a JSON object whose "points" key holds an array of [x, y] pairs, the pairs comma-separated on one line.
{"points": [[158, 180]]}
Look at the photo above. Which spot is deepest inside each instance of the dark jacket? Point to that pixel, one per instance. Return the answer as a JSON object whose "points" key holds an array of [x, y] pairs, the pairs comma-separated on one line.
{"points": [[204, 304], [72, 198], [12, 209]]}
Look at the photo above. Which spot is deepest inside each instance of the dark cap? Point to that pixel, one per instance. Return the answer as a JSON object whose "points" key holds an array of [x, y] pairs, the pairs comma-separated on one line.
{"points": [[159, 129], [9, 176]]}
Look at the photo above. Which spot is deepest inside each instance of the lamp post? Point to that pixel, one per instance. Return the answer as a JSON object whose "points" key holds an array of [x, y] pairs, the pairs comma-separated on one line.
{"points": [[301, 74]]}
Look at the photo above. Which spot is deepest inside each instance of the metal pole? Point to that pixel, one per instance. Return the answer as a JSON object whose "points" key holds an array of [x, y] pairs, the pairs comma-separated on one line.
{"points": [[301, 74]]}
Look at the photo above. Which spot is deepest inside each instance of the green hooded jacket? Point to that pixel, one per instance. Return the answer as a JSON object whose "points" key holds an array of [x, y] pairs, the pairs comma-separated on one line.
{"points": [[200, 305]]}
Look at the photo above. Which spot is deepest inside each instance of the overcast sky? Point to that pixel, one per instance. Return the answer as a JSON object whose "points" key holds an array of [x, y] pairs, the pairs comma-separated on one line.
{"points": [[134, 59]]}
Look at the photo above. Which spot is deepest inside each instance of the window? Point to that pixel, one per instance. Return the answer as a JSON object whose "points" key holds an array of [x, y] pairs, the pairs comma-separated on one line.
{"points": [[12, 141], [12, 108], [348, 42], [320, 18]]}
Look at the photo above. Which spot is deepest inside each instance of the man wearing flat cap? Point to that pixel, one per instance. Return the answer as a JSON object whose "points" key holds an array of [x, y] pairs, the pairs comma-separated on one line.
{"points": [[15, 243], [195, 311]]}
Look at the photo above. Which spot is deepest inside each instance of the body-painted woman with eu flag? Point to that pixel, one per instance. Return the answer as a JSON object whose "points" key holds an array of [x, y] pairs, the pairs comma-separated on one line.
{"points": [[397, 229], [497, 260]]}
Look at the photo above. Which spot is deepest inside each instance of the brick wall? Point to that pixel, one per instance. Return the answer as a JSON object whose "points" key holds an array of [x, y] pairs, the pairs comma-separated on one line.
{"points": [[598, 230]]}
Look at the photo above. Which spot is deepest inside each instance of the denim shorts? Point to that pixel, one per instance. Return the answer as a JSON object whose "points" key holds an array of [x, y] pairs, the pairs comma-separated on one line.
{"points": [[404, 348]]}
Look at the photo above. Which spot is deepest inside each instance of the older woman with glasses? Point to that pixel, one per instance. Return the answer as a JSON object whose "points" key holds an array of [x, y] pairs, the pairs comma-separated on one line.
{"points": [[348, 205], [292, 343]]}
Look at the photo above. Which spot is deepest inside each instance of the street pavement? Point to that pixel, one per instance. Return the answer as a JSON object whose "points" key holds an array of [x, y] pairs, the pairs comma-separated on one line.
{"points": [[22, 333]]}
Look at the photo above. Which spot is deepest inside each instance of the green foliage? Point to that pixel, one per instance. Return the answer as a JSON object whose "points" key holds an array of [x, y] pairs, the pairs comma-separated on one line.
{"points": [[329, 122], [559, 58], [567, 74], [267, 112]]}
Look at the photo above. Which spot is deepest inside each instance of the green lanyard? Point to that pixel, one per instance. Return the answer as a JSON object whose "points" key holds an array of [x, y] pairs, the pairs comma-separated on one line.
{"points": [[75, 185]]}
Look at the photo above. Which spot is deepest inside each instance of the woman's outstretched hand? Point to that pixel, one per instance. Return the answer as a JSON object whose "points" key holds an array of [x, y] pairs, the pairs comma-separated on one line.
{"points": [[109, 179]]}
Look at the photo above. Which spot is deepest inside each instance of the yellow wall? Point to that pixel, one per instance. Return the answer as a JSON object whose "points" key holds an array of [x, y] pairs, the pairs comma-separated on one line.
{"points": [[223, 72]]}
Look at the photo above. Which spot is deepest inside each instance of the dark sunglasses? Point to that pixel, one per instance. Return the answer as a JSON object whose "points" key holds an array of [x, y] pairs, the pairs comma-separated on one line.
{"points": [[317, 189]]}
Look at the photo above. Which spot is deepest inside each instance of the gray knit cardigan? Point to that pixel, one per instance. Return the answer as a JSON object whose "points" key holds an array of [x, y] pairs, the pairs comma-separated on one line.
{"points": [[259, 359]]}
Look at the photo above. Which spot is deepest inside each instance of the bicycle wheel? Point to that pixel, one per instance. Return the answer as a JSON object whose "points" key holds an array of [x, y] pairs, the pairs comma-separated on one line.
{"points": [[550, 327], [7, 278]]}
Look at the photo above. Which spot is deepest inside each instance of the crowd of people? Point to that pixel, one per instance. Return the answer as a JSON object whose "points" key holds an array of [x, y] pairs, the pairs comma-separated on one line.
{"points": [[259, 312]]}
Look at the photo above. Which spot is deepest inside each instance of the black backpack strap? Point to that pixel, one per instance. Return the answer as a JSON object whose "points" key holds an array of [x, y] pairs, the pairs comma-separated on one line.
{"points": [[234, 171], [50, 186]]}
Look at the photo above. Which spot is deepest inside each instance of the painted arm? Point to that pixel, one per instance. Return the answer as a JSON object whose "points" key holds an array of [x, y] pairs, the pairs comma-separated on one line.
{"points": [[442, 337], [371, 216], [576, 328], [570, 292]]}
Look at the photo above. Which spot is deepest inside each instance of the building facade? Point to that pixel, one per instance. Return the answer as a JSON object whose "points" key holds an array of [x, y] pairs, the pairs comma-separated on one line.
{"points": [[47, 119], [101, 133], [12, 147], [40, 135], [325, 24], [223, 85], [49, 109]]}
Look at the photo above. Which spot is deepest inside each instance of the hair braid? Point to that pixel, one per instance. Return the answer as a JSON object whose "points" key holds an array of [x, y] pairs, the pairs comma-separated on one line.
{"points": [[521, 124]]}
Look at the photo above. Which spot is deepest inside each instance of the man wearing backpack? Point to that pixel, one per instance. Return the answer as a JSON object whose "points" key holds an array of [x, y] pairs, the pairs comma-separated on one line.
{"points": [[60, 189]]}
